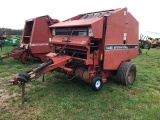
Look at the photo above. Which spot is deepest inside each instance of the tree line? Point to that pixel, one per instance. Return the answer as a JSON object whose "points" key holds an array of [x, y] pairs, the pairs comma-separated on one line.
{"points": [[8, 31]]}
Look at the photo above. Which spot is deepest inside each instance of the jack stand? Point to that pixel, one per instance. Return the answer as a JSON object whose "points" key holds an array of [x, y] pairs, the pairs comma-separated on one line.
{"points": [[43, 78], [1, 60], [23, 92]]}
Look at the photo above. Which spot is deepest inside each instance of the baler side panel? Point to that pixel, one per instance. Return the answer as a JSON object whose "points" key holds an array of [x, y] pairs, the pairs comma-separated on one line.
{"points": [[97, 28], [40, 36], [132, 29], [116, 27], [132, 35], [113, 58]]}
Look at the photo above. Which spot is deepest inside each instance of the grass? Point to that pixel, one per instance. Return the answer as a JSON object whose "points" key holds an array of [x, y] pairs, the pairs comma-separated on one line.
{"points": [[58, 99]]}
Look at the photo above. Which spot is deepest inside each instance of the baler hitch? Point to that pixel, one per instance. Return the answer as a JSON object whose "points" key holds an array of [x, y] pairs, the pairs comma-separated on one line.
{"points": [[16, 53], [51, 64], [25, 77]]}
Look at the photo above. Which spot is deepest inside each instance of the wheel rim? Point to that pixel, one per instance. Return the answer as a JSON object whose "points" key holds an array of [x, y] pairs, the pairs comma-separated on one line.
{"points": [[15, 50], [24, 58], [98, 84], [131, 76]]}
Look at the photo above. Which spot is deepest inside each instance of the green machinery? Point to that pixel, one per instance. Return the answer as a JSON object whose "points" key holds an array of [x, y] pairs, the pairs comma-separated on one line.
{"points": [[11, 41]]}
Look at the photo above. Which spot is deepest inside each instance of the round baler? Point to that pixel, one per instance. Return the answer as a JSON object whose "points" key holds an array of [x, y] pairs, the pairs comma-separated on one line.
{"points": [[92, 46]]}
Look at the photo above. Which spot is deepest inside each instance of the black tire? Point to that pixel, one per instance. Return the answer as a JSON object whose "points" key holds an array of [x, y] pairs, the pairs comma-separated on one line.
{"points": [[96, 83], [25, 74], [126, 73], [22, 79]]}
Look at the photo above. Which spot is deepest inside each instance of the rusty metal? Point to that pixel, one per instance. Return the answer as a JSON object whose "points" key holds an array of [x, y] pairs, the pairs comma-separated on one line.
{"points": [[82, 73]]}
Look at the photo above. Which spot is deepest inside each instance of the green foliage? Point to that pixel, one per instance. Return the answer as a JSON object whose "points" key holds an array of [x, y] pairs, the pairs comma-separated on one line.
{"points": [[58, 98]]}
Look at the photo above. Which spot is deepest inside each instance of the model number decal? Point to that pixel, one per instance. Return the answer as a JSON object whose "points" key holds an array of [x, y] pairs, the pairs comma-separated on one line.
{"points": [[115, 47], [39, 44]]}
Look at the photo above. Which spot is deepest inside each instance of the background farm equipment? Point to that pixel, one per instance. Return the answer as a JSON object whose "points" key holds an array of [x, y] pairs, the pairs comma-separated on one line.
{"points": [[158, 42], [35, 40], [2, 42], [155, 42], [91, 46], [144, 42], [13, 40]]}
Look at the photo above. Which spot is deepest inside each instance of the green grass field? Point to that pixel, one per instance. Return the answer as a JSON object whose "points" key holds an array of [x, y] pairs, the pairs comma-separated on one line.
{"points": [[59, 99]]}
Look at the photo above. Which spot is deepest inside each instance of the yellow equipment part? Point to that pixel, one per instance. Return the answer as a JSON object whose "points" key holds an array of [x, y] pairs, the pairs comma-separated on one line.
{"points": [[153, 41]]}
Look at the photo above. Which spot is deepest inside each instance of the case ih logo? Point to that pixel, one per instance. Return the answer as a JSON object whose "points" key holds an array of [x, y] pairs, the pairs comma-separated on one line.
{"points": [[115, 47]]}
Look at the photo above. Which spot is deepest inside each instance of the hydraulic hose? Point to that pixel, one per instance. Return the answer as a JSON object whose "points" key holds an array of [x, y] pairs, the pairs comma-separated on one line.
{"points": [[44, 65]]}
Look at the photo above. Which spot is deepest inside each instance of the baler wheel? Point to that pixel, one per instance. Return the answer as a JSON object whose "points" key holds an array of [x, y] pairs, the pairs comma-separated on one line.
{"points": [[24, 57], [96, 83], [126, 73]]}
